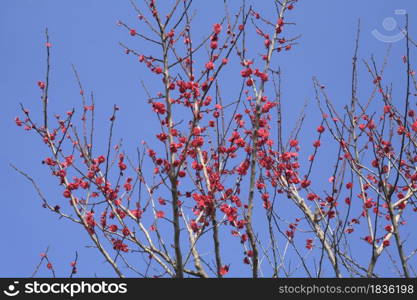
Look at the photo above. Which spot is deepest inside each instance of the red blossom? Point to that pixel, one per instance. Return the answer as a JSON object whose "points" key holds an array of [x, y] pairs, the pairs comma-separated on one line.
{"points": [[159, 108], [414, 126], [194, 226], [113, 228], [122, 166], [89, 219], [210, 65], [293, 143], [119, 245], [126, 231], [158, 70], [224, 270], [320, 129], [217, 28], [246, 72], [18, 121], [317, 144], [41, 85], [67, 194], [368, 239]]}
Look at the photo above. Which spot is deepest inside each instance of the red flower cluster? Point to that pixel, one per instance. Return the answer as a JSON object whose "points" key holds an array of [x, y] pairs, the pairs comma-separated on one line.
{"points": [[159, 108]]}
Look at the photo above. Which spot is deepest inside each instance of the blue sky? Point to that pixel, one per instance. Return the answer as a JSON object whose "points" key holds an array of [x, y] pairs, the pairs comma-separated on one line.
{"points": [[85, 33]]}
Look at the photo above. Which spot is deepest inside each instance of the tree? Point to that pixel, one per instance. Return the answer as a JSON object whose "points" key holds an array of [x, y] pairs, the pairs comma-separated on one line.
{"points": [[218, 166]]}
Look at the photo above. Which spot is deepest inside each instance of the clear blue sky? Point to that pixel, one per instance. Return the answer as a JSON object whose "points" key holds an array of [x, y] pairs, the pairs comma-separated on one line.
{"points": [[84, 32]]}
